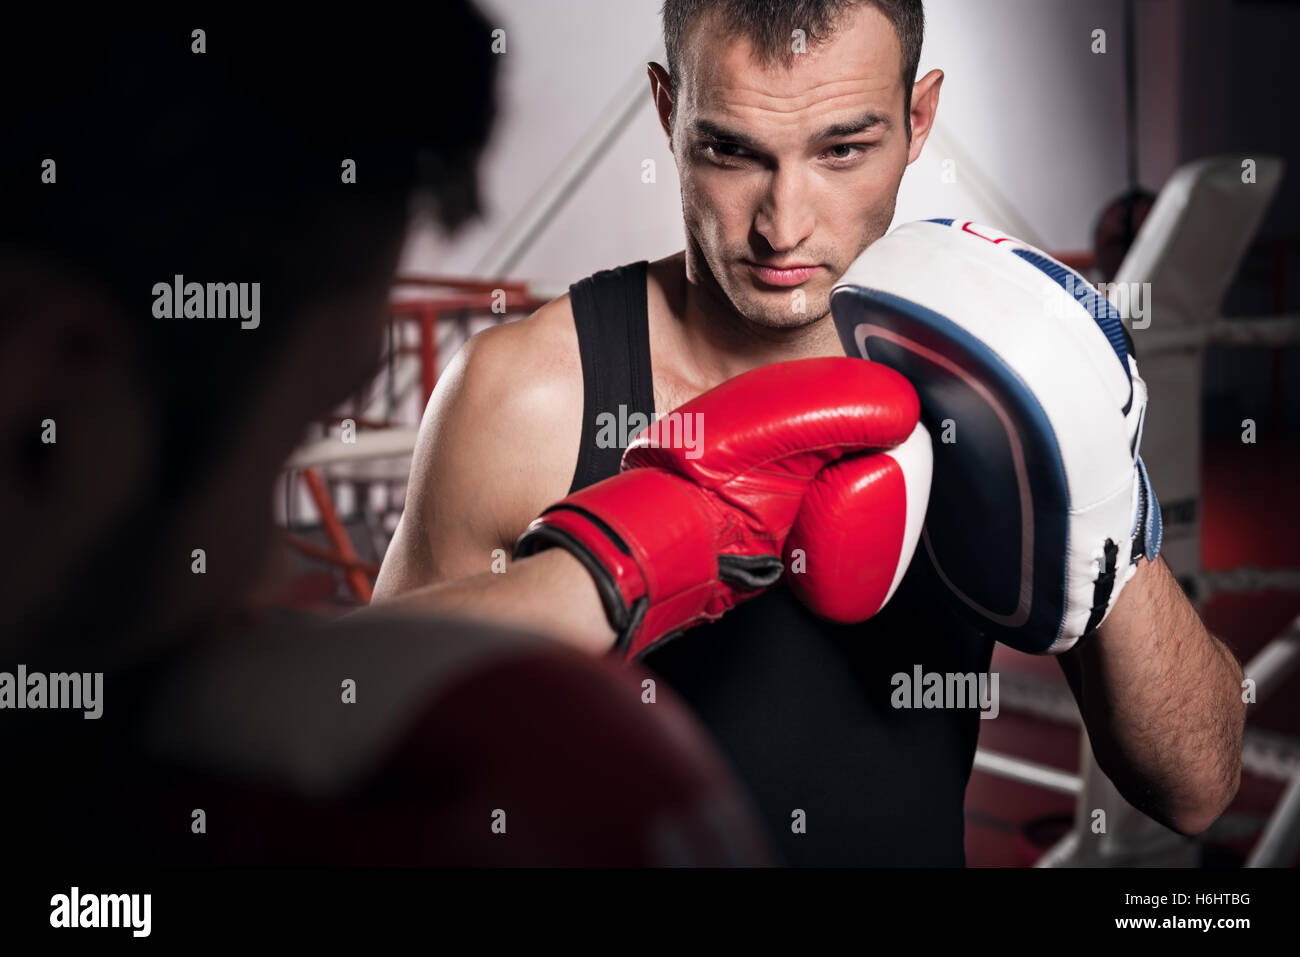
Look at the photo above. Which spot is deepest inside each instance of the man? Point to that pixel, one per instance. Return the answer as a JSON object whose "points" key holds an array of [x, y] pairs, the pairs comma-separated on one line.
{"points": [[791, 125], [201, 224]]}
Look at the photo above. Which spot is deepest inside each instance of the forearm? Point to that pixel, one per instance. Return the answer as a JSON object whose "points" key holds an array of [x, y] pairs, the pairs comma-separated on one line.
{"points": [[549, 594], [1161, 698]]}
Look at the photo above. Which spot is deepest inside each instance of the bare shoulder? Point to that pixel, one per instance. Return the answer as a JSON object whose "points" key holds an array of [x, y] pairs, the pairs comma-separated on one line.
{"points": [[500, 436], [522, 388], [533, 360]]}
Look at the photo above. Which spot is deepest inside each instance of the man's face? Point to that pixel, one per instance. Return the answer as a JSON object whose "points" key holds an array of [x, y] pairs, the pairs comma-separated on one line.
{"points": [[788, 172]]}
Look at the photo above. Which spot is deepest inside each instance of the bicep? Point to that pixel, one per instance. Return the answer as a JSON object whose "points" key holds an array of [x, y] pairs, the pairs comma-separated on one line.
{"points": [[486, 461]]}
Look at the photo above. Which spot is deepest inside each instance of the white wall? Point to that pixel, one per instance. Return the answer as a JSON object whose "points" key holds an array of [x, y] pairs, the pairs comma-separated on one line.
{"points": [[1029, 108], [1026, 107]]}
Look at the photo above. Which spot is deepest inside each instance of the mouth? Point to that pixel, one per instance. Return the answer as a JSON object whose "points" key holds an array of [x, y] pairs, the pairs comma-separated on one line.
{"points": [[783, 276]]}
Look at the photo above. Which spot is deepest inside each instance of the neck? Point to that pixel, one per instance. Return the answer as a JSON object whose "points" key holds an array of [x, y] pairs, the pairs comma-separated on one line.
{"points": [[716, 343]]}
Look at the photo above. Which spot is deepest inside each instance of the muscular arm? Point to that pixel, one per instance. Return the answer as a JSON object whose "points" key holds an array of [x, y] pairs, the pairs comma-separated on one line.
{"points": [[1161, 698], [550, 594], [498, 443]]}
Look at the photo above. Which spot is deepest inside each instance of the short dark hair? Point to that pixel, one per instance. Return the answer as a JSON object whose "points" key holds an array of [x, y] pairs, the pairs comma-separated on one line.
{"points": [[768, 24], [226, 165]]}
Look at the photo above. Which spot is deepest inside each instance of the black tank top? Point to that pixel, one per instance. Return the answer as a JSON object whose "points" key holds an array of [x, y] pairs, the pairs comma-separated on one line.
{"points": [[800, 707]]}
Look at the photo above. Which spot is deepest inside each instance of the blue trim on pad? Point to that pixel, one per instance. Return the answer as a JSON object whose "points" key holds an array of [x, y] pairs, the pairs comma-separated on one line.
{"points": [[1101, 309]]}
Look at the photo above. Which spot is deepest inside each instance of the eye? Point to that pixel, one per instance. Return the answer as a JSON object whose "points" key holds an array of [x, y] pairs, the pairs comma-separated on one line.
{"points": [[843, 153], [724, 153]]}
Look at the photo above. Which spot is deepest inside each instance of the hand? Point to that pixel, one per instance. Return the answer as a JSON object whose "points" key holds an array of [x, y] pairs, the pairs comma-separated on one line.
{"points": [[1040, 505], [683, 534]]}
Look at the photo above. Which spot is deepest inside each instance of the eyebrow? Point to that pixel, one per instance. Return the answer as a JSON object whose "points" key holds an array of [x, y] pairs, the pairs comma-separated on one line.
{"points": [[865, 122], [862, 124]]}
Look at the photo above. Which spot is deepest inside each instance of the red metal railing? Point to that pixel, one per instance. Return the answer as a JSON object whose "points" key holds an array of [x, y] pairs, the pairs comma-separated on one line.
{"points": [[437, 298]]}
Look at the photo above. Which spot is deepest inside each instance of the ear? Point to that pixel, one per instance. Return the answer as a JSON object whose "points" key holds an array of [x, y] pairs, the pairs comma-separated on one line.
{"points": [[76, 437], [661, 91], [925, 104]]}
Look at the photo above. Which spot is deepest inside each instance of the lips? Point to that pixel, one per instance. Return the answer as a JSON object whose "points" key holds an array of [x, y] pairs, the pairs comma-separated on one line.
{"points": [[782, 275]]}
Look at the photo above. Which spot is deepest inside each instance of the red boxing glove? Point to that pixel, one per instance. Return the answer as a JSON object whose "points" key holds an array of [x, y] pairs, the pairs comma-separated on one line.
{"points": [[688, 530], [857, 530]]}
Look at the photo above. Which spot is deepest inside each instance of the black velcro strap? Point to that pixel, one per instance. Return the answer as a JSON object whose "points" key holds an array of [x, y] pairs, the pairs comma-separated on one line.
{"points": [[1102, 588], [750, 571], [616, 611], [601, 525]]}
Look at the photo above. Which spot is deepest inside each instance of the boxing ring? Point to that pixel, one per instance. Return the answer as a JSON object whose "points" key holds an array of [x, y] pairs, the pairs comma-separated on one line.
{"points": [[1189, 250]]}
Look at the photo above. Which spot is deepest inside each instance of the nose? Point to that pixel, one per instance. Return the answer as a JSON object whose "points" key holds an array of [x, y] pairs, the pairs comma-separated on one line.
{"points": [[785, 216]]}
